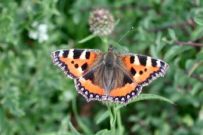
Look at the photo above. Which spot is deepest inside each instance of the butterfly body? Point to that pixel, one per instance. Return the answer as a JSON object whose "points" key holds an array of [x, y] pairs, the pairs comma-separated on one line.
{"points": [[109, 76]]}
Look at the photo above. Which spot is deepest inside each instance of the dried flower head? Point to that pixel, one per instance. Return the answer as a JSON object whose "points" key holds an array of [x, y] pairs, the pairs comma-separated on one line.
{"points": [[101, 22]]}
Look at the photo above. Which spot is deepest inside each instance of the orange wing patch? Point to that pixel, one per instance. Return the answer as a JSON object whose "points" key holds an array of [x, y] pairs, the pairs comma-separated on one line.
{"points": [[93, 92], [144, 69], [75, 62], [89, 90], [125, 93], [88, 85]]}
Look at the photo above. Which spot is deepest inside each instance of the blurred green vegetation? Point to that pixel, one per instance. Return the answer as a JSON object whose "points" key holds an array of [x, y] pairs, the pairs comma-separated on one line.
{"points": [[37, 99]]}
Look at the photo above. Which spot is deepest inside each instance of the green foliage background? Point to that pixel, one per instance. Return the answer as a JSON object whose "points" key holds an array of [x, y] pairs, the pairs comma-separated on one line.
{"points": [[37, 99]]}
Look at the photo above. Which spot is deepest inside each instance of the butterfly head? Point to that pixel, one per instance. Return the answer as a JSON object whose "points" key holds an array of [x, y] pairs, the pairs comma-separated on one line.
{"points": [[111, 48]]}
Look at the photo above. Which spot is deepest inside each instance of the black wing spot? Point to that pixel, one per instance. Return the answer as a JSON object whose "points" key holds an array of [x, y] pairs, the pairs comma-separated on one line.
{"points": [[72, 62], [77, 53], [89, 76], [145, 69], [57, 53], [133, 71], [162, 63], [127, 79], [87, 55], [76, 65], [132, 59], [84, 66], [141, 72], [154, 62], [65, 54], [142, 60]]}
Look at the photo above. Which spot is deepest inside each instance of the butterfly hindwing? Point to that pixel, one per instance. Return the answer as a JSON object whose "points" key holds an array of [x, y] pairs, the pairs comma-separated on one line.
{"points": [[94, 85], [75, 62], [125, 93], [144, 69], [89, 90], [92, 91]]}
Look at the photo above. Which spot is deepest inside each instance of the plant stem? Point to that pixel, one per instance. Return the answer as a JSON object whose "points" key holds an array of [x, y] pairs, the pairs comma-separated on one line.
{"points": [[79, 121], [112, 119], [105, 45], [119, 122], [115, 120], [86, 39]]}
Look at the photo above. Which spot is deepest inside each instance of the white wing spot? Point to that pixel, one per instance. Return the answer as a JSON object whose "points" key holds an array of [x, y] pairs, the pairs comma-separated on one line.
{"points": [[82, 56], [104, 98], [136, 61], [70, 54], [149, 61], [80, 70], [158, 63], [63, 68], [60, 53]]}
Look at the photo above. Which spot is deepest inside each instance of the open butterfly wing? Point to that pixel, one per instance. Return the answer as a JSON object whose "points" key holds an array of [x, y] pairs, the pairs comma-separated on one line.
{"points": [[75, 62], [144, 69]]}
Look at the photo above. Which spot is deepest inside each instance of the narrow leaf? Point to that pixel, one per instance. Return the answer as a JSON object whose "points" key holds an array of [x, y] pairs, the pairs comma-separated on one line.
{"points": [[74, 131], [104, 132], [86, 39], [102, 117], [199, 18], [141, 97], [148, 97]]}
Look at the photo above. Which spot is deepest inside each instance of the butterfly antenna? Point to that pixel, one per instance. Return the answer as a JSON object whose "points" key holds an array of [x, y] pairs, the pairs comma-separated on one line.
{"points": [[125, 34]]}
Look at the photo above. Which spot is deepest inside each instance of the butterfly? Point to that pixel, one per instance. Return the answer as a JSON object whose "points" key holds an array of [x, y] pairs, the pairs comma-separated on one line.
{"points": [[108, 76]]}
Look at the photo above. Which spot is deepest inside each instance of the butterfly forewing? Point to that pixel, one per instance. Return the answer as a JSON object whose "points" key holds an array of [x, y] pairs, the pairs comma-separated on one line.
{"points": [[143, 68], [75, 62]]}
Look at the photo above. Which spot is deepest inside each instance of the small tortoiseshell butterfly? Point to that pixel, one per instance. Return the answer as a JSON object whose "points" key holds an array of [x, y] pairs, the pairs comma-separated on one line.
{"points": [[109, 76]]}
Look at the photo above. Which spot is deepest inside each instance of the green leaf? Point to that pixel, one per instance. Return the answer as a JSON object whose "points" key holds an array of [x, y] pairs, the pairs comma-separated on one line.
{"points": [[74, 131], [151, 97], [176, 51], [86, 39], [50, 133], [105, 132], [101, 117], [172, 34], [199, 17], [2, 120], [142, 97], [83, 126]]}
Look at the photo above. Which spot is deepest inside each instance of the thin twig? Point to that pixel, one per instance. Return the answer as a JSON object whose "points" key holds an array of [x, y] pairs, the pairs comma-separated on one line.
{"points": [[189, 43], [189, 22], [195, 76]]}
